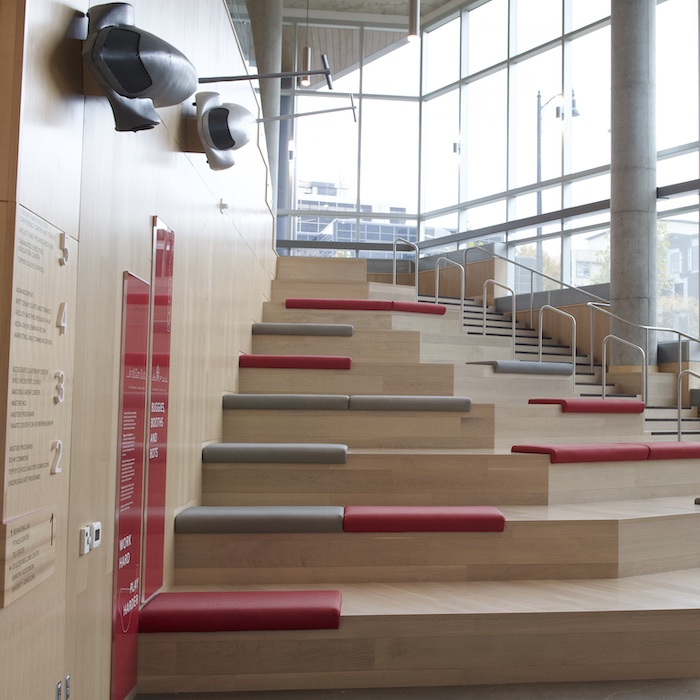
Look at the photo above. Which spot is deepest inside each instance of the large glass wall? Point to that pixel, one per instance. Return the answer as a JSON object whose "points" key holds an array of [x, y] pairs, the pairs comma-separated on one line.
{"points": [[494, 128]]}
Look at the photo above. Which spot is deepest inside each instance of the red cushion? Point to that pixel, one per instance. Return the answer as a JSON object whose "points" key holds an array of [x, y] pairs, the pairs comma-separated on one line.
{"points": [[347, 304], [673, 450], [594, 405], [419, 307], [296, 361], [236, 611], [423, 519], [600, 452]]}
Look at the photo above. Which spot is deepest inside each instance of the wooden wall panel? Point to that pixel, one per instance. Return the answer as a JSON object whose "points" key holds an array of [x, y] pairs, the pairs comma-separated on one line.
{"points": [[103, 188]]}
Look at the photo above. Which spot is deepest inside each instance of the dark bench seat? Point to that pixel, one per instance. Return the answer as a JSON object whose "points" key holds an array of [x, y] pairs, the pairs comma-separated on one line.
{"points": [[238, 611], [258, 519], [318, 329], [275, 452], [528, 367]]}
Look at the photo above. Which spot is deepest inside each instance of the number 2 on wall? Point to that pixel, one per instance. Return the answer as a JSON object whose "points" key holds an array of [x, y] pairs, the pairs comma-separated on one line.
{"points": [[56, 465]]}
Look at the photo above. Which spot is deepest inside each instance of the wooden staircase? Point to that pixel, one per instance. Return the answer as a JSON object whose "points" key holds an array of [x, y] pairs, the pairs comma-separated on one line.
{"points": [[596, 577]]}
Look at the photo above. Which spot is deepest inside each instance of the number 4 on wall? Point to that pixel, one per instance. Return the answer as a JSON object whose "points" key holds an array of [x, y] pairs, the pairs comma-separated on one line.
{"points": [[62, 319]]}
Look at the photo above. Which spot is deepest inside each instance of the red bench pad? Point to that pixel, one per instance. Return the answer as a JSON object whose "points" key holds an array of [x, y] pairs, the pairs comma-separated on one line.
{"points": [[345, 304], [601, 452], [237, 611], [296, 361], [419, 307], [673, 450], [423, 519], [594, 405]]}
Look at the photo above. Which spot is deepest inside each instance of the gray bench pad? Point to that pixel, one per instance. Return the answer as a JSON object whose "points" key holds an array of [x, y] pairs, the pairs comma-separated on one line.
{"points": [[334, 329], [525, 367], [283, 452], [322, 402], [254, 519], [461, 404]]}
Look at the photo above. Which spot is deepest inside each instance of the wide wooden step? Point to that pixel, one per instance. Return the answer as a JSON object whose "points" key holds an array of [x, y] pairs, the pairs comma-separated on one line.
{"points": [[400, 634], [363, 428], [608, 539]]}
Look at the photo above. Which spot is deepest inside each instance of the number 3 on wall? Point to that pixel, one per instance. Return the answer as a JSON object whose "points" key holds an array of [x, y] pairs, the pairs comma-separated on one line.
{"points": [[60, 387]]}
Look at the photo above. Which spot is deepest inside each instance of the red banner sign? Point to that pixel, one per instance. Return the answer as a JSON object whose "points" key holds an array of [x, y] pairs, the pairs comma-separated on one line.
{"points": [[162, 298], [128, 526]]}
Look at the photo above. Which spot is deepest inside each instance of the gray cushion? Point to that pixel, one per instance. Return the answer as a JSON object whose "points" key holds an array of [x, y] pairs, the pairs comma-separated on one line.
{"points": [[254, 519], [528, 367], [336, 329], [410, 403], [283, 452], [324, 402]]}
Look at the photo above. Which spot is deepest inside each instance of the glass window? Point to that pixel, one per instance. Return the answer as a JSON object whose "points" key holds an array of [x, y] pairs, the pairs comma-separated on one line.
{"points": [[584, 12], [535, 95], [487, 41], [389, 155], [590, 122], [536, 28], [677, 265], [440, 226], [441, 157], [486, 215], [441, 55], [325, 153], [590, 258], [678, 169], [391, 64], [486, 135], [676, 73], [592, 189]]}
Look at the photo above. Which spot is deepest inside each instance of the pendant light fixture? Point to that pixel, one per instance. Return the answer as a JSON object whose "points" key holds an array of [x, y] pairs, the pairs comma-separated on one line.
{"points": [[306, 54], [414, 20]]}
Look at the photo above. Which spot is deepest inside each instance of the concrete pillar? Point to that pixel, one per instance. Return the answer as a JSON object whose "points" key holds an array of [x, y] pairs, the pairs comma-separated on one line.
{"points": [[633, 186], [266, 24]]}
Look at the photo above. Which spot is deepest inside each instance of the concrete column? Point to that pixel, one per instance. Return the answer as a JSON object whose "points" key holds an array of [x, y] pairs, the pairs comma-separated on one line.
{"points": [[266, 24], [633, 187]]}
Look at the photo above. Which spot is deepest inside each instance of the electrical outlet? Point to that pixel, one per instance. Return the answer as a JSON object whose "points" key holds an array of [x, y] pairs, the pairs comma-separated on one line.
{"points": [[85, 540]]}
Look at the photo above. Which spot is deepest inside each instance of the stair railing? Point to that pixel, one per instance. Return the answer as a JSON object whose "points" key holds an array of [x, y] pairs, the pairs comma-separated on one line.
{"points": [[415, 267], [548, 307], [462, 281], [631, 345], [680, 335], [681, 375], [495, 283], [533, 272]]}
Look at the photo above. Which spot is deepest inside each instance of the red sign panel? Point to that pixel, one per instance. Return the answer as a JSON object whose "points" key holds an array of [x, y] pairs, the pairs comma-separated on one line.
{"points": [[128, 526], [162, 293]]}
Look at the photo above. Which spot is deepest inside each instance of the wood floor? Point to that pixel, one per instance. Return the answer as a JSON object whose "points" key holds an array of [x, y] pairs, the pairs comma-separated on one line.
{"points": [[595, 578]]}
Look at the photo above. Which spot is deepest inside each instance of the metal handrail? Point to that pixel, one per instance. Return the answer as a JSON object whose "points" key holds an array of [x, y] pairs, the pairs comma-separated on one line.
{"points": [[415, 247], [549, 307], [462, 287], [680, 398], [632, 345], [533, 272], [597, 306], [512, 312]]}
